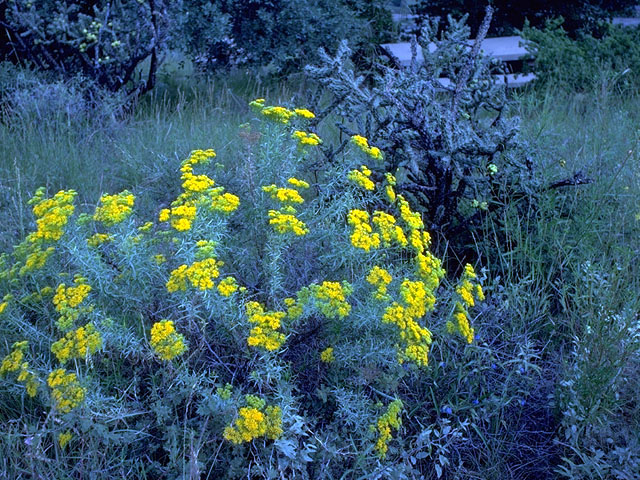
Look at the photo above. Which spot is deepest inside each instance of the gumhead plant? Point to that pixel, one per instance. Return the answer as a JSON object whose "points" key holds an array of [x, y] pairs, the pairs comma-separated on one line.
{"points": [[452, 144], [283, 322]]}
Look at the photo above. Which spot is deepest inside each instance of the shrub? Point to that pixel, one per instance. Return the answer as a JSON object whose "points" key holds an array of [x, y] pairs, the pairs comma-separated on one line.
{"points": [[104, 41], [454, 149], [300, 328], [580, 14], [609, 63], [278, 36]]}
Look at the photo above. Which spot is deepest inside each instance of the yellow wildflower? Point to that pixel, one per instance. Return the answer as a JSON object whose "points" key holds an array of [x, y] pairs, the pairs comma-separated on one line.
{"points": [[13, 361], [277, 114], [306, 139], [363, 144], [165, 341], [265, 334], [389, 231], [330, 298], [66, 391], [379, 278], [362, 236], [64, 438], [304, 113], [77, 344], [298, 183], [286, 196], [327, 356], [114, 209], [52, 215], [98, 239], [390, 419], [68, 299], [36, 259], [412, 219], [287, 223], [227, 287], [362, 178], [255, 421]]}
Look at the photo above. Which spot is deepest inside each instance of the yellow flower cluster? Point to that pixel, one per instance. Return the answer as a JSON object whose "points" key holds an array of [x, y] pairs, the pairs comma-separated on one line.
{"points": [[255, 421], [294, 308], [390, 419], [52, 214], [362, 178], [36, 259], [181, 214], [298, 183], [379, 278], [257, 104], [165, 341], [304, 113], [225, 392], [199, 274], [198, 191], [278, 114], [286, 196], [66, 391], [77, 344], [362, 236], [64, 439], [412, 219], [114, 209], [68, 299], [331, 298], [287, 223], [415, 338], [467, 289], [388, 189], [327, 356], [389, 231], [227, 287], [145, 227], [306, 139], [14, 362], [363, 144], [265, 334], [98, 239], [284, 220], [4, 304]]}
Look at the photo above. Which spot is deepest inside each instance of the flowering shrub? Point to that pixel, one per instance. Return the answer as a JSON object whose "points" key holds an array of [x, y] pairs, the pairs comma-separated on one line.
{"points": [[249, 332]]}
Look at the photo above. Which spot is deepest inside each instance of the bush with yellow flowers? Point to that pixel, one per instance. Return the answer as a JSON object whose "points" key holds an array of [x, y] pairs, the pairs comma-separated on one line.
{"points": [[255, 327]]}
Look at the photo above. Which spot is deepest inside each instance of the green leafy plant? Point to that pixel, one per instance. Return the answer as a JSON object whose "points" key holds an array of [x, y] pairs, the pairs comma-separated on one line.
{"points": [[607, 63]]}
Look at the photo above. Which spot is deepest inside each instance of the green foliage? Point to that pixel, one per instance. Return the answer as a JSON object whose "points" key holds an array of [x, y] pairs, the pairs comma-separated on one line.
{"points": [[455, 149], [278, 36], [104, 41], [585, 15], [609, 63]]}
